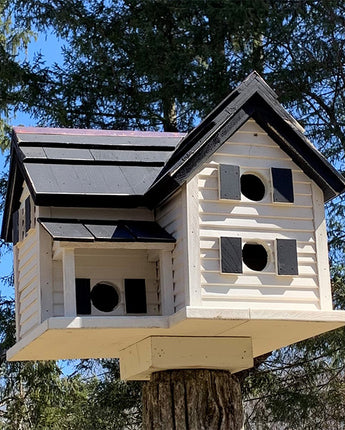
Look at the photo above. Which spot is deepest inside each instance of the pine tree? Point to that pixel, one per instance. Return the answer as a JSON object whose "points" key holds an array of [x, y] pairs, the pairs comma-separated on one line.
{"points": [[14, 72], [165, 64]]}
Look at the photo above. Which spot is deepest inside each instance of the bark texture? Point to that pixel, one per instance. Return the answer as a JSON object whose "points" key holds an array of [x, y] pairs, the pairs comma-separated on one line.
{"points": [[197, 399]]}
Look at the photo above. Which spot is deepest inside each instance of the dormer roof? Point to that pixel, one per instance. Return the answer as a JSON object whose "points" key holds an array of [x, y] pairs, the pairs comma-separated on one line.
{"points": [[100, 168]]}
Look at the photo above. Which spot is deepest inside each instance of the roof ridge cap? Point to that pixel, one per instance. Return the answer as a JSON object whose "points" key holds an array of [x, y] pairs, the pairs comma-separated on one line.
{"points": [[93, 132]]}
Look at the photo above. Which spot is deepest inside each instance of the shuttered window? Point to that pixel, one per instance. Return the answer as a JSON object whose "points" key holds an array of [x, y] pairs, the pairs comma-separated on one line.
{"points": [[231, 185], [229, 182], [282, 185], [82, 291], [287, 257], [15, 227], [231, 254], [27, 214]]}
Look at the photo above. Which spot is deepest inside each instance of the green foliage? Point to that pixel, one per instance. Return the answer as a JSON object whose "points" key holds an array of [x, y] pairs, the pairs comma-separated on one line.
{"points": [[300, 387], [162, 65], [42, 398], [37, 396], [145, 64], [13, 72], [112, 403]]}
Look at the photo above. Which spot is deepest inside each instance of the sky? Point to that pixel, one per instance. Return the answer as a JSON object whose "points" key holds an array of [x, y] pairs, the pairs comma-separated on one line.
{"points": [[50, 47]]}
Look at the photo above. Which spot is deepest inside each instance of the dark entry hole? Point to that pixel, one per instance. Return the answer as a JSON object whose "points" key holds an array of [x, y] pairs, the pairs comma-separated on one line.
{"points": [[252, 187], [254, 256], [104, 297]]}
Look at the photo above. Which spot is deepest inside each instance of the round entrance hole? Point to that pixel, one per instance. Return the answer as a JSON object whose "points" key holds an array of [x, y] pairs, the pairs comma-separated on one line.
{"points": [[252, 187], [254, 256], [104, 297]]}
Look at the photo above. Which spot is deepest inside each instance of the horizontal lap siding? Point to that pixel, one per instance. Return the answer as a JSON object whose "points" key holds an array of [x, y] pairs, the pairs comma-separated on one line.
{"points": [[117, 265], [261, 222], [170, 217], [141, 214], [28, 283]]}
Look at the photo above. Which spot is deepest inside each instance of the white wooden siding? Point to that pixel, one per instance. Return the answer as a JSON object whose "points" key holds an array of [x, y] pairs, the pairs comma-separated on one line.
{"points": [[32, 271], [171, 217], [142, 214], [115, 266], [261, 222], [27, 280]]}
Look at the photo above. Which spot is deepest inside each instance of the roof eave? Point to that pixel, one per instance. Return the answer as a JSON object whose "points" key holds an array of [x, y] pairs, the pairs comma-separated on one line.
{"points": [[14, 186]]}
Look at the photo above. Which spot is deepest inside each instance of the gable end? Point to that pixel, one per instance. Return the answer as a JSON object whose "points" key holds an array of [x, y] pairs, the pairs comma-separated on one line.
{"points": [[252, 99]]}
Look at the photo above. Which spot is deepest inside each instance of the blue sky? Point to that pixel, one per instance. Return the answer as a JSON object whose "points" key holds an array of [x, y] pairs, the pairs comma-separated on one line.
{"points": [[50, 47]]}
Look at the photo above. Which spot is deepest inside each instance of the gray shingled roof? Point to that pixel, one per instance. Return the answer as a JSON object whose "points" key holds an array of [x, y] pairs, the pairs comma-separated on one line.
{"points": [[61, 162]]}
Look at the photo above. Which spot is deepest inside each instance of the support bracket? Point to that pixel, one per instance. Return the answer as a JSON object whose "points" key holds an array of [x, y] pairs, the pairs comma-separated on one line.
{"points": [[158, 353]]}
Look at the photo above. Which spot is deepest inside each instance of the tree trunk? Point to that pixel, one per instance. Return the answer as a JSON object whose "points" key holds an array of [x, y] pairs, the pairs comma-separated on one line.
{"points": [[169, 114], [197, 399]]}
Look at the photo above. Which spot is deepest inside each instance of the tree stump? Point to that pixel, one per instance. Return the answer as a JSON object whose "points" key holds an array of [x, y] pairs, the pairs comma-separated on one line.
{"points": [[196, 399]]}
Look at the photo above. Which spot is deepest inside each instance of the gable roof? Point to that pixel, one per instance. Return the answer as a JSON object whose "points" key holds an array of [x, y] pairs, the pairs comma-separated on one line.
{"points": [[66, 167], [252, 99]]}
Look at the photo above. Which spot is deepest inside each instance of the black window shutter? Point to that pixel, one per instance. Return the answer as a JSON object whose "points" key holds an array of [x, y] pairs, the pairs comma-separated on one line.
{"points": [[282, 185], [82, 292], [27, 214], [287, 257], [135, 295], [15, 227], [231, 254], [229, 182]]}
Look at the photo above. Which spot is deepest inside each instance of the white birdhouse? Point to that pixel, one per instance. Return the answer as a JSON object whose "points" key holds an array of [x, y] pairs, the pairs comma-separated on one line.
{"points": [[170, 250]]}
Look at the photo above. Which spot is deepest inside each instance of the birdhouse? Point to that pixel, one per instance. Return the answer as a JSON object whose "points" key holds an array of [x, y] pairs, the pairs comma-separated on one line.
{"points": [[168, 250]]}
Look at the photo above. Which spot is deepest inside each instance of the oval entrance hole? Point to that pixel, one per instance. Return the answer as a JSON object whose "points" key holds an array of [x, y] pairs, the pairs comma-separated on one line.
{"points": [[104, 297], [252, 187], [254, 256]]}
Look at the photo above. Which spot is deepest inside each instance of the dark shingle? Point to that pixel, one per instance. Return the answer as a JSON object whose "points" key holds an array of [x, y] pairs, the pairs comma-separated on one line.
{"points": [[115, 231], [67, 230]]}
